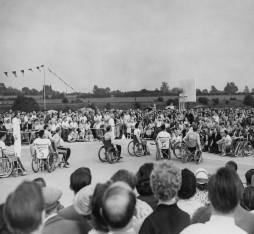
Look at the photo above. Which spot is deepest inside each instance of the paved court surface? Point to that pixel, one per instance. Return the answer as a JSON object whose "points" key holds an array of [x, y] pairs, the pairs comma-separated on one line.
{"points": [[85, 154]]}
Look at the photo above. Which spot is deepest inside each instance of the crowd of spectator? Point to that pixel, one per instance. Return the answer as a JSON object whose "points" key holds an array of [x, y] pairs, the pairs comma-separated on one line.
{"points": [[220, 130], [159, 198]]}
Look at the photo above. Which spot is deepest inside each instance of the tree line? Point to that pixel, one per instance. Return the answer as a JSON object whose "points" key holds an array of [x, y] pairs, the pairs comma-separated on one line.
{"points": [[98, 92]]}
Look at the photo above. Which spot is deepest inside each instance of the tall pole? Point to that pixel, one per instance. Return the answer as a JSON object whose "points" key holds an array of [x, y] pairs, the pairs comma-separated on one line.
{"points": [[44, 89]]}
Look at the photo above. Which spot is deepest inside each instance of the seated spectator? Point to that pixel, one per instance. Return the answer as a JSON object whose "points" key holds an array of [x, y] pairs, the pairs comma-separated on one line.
{"points": [[98, 223], [186, 201], [54, 223], [143, 185], [118, 208], [224, 193], [248, 176], [202, 179], [40, 181], [142, 208], [248, 199], [167, 217], [79, 179], [23, 209], [3, 226], [232, 165], [201, 215]]}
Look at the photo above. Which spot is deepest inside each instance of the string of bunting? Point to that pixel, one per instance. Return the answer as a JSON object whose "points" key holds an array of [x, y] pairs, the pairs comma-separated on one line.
{"points": [[22, 71], [15, 73], [60, 79]]}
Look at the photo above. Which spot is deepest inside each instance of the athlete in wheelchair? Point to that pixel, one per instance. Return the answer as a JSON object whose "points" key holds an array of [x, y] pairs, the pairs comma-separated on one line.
{"points": [[139, 145], [191, 148], [110, 151], [9, 163], [163, 144], [43, 155]]}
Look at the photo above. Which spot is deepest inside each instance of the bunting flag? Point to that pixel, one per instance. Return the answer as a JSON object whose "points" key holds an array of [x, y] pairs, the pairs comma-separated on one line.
{"points": [[42, 65], [60, 78], [38, 68], [23, 72], [6, 73], [15, 73], [30, 69]]}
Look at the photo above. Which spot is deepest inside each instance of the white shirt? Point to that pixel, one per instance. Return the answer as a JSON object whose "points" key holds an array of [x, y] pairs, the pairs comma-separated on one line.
{"points": [[2, 145], [163, 134], [40, 141], [189, 205], [217, 225]]}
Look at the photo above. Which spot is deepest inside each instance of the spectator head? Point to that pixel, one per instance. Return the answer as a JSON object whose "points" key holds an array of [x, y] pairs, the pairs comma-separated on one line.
{"points": [[98, 221], [125, 176], [80, 178], [82, 200], [248, 198], [3, 226], [118, 205], [41, 133], [248, 176], [163, 127], [23, 210], [224, 190], [108, 128], [165, 180], [143, 179], [194, 127], [202, 179], [51, 199], [188, 186], [40, 181], [3, 136], [202, 215], [232, 165]]}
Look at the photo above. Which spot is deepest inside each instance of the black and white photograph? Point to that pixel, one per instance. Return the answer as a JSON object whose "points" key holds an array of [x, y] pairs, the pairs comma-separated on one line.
{"points": [[126, 116]]}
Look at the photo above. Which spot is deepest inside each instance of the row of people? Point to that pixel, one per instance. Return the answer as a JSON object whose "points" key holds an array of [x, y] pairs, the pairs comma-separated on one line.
{"points": [[170, 200]]}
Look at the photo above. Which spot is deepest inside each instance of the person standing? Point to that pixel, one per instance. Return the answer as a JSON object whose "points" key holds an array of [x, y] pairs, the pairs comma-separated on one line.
{"points": [[17, 140]]}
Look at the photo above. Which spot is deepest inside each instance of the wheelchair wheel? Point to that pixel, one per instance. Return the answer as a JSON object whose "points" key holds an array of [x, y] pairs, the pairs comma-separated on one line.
{"points": [[130, 148], [184, 152], [6, 168], [50, 163], [112, 155], [247, 149], [102, 154], [198, 157], [35, 164], [177, 150], [138, 150]]}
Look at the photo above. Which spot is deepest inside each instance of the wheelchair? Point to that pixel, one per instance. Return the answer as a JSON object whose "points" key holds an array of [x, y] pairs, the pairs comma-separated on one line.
{"points": [[243, 148], [163, 148], [138, 149], [43, 159], [107, 152], [188, 156], [7, 165]]}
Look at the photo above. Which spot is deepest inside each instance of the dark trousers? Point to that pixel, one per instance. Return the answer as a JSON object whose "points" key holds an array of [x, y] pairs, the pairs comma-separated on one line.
{"points": [[66, 153], [119, 148]]}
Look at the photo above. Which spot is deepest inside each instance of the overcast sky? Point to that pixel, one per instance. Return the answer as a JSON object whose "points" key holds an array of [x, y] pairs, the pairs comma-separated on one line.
{"points": [[127, 44]]}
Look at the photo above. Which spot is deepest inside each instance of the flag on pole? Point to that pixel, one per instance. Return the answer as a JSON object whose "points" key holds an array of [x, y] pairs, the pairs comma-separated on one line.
{"points": [[15, 73], [30, 69], [23, 72], [6, 73], [42, 65], [38, 68]]}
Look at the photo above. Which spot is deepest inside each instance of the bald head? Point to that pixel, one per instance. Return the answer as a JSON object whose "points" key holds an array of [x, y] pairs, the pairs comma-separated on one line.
{"points": [[118, 205]]}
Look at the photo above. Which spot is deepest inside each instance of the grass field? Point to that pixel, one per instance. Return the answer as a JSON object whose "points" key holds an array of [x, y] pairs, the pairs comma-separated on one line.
{"points": [[225, 101]]}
